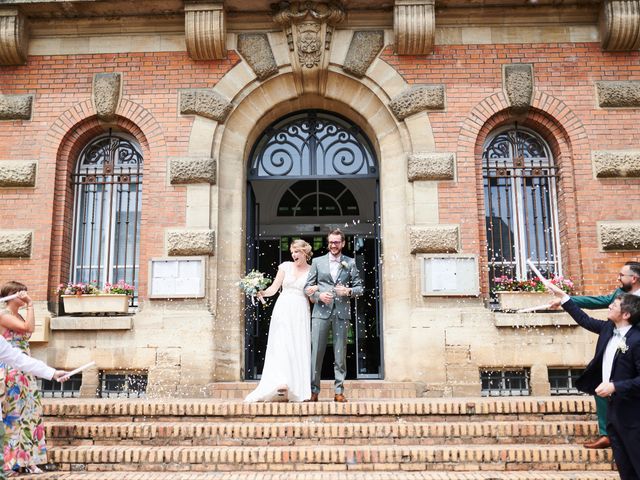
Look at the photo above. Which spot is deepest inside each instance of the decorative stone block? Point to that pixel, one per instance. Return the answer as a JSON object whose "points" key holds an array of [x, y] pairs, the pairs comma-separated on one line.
{"points": [[414, 26], [618, 94], [14, 37], [518, 85], [205, 103], [15, 107], [431, 166], [256, 50], [417, 99], [192, 170], [620, 25], [434, 239], [106, 94], [190, 242], [15, 243], [363, 50], [18, 173], [619, 235], [616, 163], [205, 30]]}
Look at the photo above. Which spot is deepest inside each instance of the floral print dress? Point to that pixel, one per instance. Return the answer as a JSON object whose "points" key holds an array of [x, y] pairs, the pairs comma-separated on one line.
{"points": [[24, 444]]}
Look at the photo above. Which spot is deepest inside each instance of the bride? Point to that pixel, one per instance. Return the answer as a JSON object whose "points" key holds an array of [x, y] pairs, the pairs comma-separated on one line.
{"points": [[287, 366]]}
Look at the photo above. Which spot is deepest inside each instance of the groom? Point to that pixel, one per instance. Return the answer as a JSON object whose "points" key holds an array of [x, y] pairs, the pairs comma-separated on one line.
{"points": [[338, 280]]}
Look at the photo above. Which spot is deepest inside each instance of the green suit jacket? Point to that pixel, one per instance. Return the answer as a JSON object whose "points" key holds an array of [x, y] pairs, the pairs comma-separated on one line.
{"points": [[598, 301]]}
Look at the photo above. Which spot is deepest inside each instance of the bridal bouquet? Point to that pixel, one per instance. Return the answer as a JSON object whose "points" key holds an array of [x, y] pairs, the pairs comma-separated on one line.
{"points": [[253, 283]]}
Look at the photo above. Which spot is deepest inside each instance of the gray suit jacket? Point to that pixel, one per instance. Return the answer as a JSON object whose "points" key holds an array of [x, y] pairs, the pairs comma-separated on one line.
{"points": [[320, 275]]}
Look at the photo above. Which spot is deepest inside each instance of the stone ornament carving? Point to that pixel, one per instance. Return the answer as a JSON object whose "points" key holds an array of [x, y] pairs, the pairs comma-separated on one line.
{"points": [[518, 85], [205, 30], [14, 37], [205, 103], [431, 166], [106, 94], [620, 25], [15, 244], [18, 173], [364, 48], [256, 50], [434, 239], [616, 163], [619, 235], [15, 107], [192, 170], [190, 242], [414, 26], [309, 27], [618, 94], [417, 99]]}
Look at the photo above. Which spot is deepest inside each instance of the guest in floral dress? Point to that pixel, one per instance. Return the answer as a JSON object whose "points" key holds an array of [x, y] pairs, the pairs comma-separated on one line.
{"points": [[24, 445]]}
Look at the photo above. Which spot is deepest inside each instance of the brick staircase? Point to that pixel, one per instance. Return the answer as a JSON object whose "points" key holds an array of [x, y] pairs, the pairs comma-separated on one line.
{"points": [[391, 438]]}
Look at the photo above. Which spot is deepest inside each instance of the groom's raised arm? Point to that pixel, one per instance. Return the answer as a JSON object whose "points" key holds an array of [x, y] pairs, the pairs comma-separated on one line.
{"points": [[312, 280]]}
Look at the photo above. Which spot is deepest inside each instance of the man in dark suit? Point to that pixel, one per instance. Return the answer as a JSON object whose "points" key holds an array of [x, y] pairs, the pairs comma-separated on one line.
{"points": [[614, 374]]}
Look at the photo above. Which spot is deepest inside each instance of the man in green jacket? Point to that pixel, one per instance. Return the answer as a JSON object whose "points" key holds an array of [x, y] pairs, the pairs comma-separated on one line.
{"points": [[629, 278]]}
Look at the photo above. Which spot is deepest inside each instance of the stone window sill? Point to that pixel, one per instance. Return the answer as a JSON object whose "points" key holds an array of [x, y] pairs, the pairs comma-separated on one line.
{"points": [[92, 323]]}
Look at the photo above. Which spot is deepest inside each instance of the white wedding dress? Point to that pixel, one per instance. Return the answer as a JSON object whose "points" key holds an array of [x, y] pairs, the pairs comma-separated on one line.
{"points": [[288, 357]]}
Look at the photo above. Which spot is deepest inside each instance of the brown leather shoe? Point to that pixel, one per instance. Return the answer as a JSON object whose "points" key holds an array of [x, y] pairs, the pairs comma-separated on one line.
{"points": [[340, 398], [602, 442], [314, 398]]}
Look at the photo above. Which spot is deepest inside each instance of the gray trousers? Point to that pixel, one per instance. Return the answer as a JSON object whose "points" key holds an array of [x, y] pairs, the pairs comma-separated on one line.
{"points": [[319, 337]]}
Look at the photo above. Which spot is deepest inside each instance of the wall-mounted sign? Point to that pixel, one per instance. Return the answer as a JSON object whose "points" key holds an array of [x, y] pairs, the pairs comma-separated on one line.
{"points": [[176, 277], [452, 274]]}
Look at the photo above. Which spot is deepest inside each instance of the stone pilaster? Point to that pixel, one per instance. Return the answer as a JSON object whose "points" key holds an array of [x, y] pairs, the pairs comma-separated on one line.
{"points": [[15, 107], [190, 242], [106, 94], [431, 166], [192, 170], [205, 28], [620, 25], [15, 243], [15, 173], [616, 163], [434, 239], [414, 26], [518, 85], [417, 99], [256, 50], [618, 94], [205, 103], [363, 50], [14, 37], [619, 235]]}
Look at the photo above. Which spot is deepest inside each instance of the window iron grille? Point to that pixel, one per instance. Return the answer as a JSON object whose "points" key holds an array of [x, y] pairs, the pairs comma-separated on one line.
{"points": [[563, 380], [317, 198], [122, 385], [505, 383], [68, 389]]}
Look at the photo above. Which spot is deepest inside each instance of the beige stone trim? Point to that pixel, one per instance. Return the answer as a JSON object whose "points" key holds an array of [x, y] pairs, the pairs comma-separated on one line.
{"points": [[16, 173], [414, 25], [15, 243], [15, 107], [431, 166], [434, 239], [417, 99], [619, 235], [205, 30], [616, 163], [192, 170], [618, 94], [363, 49], [206, 103], [620, 25], [14, 37], [92, 323], [255, 49], [107, 88], [190, 242], [518, 85]]}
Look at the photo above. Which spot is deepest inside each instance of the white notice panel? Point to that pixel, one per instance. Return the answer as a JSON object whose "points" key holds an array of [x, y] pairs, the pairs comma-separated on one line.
{"points": [[176, 278], [444, 275]]}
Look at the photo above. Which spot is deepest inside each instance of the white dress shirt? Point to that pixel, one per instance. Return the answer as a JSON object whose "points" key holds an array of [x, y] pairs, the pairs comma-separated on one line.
{"points": [[334, 266], [610, 351]]}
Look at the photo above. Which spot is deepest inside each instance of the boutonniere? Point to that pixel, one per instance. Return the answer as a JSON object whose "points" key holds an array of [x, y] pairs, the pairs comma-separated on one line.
{"points": [[622, 346], [344, 264]]}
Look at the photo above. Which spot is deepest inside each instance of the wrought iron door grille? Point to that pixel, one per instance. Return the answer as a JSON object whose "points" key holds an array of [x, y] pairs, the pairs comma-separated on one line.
{"points": [[520, 205], [108, 198], [505, 383]]}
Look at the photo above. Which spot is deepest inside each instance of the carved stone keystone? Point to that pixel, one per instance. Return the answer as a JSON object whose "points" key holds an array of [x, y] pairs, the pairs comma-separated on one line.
{"points": [[206, 103], [190, 242], [18, 173], [414, 26], [192, 170], [15, 107], [616, 163], [309, 27], [363, 50], [431, 166], [417, 99], [205, 30], [618, 94], [620, 25], [619, 235], [518, 85], [434, 239], [14, 37], [256, 50], [106, 94], [15, 244]]}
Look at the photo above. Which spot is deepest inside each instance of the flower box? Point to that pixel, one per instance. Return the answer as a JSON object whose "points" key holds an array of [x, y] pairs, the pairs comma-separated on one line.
{"points": [[112, 303], [520, 300]]}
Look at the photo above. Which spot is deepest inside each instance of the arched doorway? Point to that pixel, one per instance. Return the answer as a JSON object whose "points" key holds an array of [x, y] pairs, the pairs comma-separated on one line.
{"points": [[310, 171]]}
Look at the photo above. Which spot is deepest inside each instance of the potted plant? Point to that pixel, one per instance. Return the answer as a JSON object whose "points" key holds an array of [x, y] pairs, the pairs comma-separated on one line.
{"points": [[513, 294], [88, 298]]}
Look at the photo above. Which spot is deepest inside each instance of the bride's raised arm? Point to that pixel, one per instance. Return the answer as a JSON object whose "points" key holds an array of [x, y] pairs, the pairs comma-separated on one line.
{"points": [[275, 286]]}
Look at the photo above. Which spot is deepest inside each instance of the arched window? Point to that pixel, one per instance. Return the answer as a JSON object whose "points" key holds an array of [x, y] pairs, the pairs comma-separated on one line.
{"points": [[321, 198], [520, 204], [108, 198]]}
